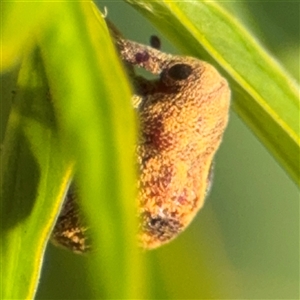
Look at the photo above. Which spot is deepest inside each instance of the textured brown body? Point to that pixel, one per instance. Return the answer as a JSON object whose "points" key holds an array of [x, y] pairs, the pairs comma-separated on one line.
{"points": [[181, 127], [183, 115], [181, 131]]}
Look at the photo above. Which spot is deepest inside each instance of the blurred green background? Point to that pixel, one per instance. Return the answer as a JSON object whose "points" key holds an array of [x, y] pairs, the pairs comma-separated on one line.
{"points": [[245, 242]]}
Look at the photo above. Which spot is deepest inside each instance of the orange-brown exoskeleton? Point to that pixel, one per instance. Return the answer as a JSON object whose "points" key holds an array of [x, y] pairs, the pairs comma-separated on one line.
{"points": [[182, 115]]}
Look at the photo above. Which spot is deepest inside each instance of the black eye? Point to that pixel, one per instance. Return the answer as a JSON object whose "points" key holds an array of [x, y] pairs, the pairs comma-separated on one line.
{"points": [[180, 71]]}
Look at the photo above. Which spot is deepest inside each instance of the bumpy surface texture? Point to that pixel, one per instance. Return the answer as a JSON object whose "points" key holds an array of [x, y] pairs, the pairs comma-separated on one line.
{"points": [[182, 115], [69, 231]]}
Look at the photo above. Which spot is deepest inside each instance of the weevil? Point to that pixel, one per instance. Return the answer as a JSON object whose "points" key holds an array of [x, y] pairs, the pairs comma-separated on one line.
{"points": [[182, 115]]}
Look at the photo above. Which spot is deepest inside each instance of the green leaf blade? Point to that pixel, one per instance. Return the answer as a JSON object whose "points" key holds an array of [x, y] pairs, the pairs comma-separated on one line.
{"points": [[98, 118], [32, 172], [67, 109]]}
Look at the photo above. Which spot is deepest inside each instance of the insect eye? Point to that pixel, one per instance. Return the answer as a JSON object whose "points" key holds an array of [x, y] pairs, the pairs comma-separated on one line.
{"points": [[180, 71]]}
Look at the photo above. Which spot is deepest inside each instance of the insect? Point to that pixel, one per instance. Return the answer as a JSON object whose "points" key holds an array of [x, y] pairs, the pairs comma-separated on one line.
{"points": [[183, 114]]}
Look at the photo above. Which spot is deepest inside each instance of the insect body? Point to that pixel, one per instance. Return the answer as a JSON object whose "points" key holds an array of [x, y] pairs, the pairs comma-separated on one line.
{"points": [[182, 115]]}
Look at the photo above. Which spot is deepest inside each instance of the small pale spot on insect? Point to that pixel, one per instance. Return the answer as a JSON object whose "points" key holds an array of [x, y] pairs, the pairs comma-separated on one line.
{"points": [[183, 115]]}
